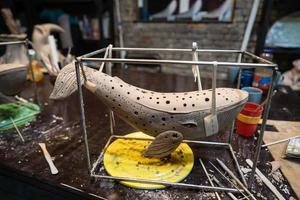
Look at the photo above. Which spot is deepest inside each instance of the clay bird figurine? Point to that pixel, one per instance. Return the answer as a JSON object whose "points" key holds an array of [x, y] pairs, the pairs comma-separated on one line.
{"points": [[169, 117]]}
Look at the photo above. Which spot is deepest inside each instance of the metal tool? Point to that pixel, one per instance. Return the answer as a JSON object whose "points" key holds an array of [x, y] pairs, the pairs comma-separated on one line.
{"points": [[230, 173], [53, 169], [227, 179], [207, 175], [221, 185], [266, 181]]}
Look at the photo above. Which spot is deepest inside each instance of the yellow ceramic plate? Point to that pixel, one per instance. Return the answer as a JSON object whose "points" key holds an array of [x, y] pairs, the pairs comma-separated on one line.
{"points": [[123, 158]]}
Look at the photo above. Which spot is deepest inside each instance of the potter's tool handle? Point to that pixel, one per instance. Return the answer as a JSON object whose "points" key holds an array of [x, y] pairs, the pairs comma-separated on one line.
{"points": [[211, 121], [195, 68], [48, 158]]}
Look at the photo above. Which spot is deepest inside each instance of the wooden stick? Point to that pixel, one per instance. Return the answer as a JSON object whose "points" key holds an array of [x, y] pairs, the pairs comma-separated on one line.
{"points": [[279, 141], [17, 129], [53, 169], [266, 181]]}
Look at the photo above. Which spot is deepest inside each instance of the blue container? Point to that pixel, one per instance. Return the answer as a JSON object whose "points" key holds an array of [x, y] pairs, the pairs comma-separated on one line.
{"points": [[255, 94], [247, 78], [232, 74]]}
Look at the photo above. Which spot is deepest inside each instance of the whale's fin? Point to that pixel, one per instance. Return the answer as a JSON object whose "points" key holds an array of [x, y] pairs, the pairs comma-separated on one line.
{"points": [[66, 83], [164, 144]]}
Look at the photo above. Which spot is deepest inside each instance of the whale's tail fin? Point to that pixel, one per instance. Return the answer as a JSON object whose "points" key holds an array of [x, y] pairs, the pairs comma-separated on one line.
{"points": [[66, 83]]}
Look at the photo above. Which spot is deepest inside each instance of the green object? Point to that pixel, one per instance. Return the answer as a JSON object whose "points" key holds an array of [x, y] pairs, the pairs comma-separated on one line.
{"points": [[20, 113], [9, 110]]}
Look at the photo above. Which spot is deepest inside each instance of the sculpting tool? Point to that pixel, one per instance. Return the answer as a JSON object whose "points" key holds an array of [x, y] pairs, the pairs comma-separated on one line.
{"points": [[53, 169], [207, 175], [227, 179], [266, 181], [220, 185], [230, 173]]}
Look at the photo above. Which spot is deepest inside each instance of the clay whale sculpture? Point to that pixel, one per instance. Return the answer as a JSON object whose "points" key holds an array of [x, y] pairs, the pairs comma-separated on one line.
{"points": [[169, 117]]}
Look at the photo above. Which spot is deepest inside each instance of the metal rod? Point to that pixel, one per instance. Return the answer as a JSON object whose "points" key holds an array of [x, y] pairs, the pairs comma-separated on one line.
{"points": [[230, 173], [266, 181], [82, 115], [262, 128], [91, 54], [257, 57], [184, 141], [227, 179], [207, 175], [102, 64], [31, 72], [177, 50], [192, 186], [238, 166], [108, 68], [77, 189], [239, 60], [101, 155], [183, 62], [220, 185], [279, 141], [13, 42]]}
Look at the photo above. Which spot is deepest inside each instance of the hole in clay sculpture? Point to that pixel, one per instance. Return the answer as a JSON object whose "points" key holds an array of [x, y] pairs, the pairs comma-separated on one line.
{"points": [[112, 87], [190, 125], [168, 102], [121, 85], [193, 105], [163, 118], [153, 116], [184, 104], [206, 99], [136, 112], [128, 92], [226, 99], [174, 108], [157, 102], [138, 98]]}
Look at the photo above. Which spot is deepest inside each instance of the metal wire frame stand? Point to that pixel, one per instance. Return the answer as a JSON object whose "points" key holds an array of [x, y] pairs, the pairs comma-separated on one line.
{"points": [[25, 42], [108, 53]]}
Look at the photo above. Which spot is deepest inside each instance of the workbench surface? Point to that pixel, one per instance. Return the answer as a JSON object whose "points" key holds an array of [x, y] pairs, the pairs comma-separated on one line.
{"points": [[23, 165]]}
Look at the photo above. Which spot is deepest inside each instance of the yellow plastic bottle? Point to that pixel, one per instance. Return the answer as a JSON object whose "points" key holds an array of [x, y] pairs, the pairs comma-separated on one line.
{"points": [[36, 68]]}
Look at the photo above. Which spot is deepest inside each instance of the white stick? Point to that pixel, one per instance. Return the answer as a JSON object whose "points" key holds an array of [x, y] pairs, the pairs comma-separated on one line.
{"points": [[17, 129], [266, 181], [53, 169], [279, 141], [53, 51]]}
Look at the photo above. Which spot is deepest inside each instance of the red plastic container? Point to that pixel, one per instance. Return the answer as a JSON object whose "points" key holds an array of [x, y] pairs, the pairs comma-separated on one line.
{"points": [[248, 119]]}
